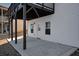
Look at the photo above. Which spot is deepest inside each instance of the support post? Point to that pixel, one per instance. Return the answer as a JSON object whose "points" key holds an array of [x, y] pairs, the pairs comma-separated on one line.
{"points": [[2, 20], [11, 29], [24, 26], [53, 7], [15, 29], [2, 27]]}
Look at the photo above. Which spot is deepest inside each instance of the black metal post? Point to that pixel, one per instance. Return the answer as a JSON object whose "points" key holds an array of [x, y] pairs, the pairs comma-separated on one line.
{"points": [[15, 29], [24, 26], [53, 7], [9, 27], [12, 29]]}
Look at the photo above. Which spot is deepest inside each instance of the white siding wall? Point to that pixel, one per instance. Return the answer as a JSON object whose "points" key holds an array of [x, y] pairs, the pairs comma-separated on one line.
{"points": [[64, 25]]}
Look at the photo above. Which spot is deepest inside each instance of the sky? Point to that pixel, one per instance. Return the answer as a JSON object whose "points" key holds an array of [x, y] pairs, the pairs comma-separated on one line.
{"points": [[5, 4]]}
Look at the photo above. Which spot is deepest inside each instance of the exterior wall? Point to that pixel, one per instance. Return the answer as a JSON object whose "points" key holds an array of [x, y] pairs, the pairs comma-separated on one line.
{"points": [[64, 25], [19, 25]]}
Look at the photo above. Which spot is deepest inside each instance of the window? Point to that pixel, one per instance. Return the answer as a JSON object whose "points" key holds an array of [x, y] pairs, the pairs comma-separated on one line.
{"points": [[47, 28], [32, 28], [4, 12]]}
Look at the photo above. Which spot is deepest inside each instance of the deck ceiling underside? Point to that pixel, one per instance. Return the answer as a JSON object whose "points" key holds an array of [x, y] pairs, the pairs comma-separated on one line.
{"points": [[32, 14]]}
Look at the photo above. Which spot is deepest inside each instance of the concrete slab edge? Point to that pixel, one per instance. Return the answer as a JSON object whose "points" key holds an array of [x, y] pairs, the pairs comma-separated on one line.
{"points": [[69, 52]]}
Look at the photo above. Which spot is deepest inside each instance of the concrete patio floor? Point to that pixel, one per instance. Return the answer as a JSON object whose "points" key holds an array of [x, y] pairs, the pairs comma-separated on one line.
{"points": [[6, 49], [37, 47]]}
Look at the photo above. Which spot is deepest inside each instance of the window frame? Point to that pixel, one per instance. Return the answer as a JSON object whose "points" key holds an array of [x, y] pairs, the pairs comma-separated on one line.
{"points": [[32, 28], [48, 28]]}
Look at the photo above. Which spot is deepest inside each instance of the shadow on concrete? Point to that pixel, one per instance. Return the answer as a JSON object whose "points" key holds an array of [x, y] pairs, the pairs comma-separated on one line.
{"points": [[8, 50]]}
